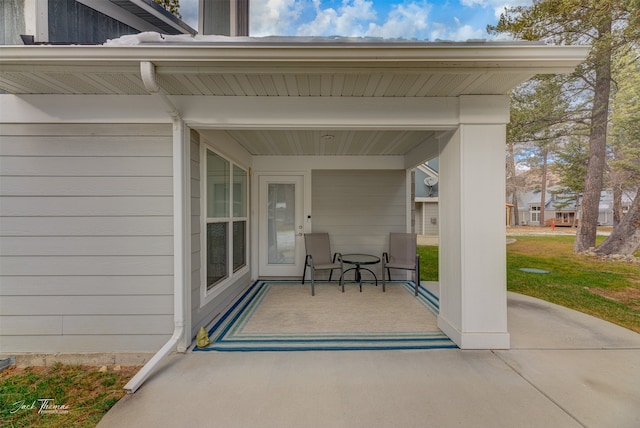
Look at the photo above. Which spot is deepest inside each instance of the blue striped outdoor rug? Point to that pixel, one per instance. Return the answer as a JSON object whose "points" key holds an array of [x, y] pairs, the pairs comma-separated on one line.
{"points": [[229, 333]]}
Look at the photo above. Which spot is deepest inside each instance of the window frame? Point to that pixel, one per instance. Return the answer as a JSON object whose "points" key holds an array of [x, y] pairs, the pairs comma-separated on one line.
{"points": [[534, 211], [209, 293]]}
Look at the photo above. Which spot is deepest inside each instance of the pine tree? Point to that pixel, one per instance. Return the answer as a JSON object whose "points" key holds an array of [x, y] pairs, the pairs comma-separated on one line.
{"points": [[608, 26], [172, 6]]}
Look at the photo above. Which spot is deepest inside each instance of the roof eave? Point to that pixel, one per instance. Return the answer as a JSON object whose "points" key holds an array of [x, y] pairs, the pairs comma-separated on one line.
{"points": [[541, 59]]}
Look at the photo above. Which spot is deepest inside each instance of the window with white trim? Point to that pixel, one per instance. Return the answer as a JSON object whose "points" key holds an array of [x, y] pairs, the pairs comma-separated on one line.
{"points": [[535, 213], [225, 202]]}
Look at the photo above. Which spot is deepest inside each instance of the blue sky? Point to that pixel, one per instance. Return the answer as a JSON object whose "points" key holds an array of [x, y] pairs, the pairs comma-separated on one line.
{"points": [[410, 19]]}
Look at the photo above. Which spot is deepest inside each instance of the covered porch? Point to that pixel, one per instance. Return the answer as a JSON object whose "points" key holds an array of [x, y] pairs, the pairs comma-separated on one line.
{"points": [[340, 124]]}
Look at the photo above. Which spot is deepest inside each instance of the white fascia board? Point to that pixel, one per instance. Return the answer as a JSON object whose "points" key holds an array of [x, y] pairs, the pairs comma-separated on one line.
{"points": [[425, 168], [239, 112], [318, 112], [292, 163], [528, 59], [81, 109], [484, 109]]}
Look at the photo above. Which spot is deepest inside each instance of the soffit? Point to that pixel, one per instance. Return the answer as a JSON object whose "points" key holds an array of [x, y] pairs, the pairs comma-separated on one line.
{"points": [[329, 142], [296, 70]]}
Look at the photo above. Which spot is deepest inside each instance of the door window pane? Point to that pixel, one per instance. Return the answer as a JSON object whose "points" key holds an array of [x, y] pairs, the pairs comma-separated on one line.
{"points": [[281, 223], [216, 253], [239, 240], [218, 191]]}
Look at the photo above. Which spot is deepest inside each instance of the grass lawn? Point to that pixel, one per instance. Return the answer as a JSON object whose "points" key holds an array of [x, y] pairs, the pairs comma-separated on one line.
{"points": [[605, 289], [81, 395]]}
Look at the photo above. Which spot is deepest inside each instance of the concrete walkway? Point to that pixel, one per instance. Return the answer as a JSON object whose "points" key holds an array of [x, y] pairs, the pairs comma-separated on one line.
{"points": [[565, 369]]}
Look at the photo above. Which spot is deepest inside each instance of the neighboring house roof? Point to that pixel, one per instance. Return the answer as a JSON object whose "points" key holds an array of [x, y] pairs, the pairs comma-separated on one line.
{"points": [[553, 201], [559, 202]]}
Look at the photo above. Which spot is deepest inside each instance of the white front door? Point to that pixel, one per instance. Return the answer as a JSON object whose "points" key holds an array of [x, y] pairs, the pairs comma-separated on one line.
{"points": [[281, 237]]}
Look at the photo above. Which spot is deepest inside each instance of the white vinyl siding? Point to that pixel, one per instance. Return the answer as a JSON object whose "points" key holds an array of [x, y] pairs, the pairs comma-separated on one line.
{"points": [[429, 212], [86, 238], [359, 208]]}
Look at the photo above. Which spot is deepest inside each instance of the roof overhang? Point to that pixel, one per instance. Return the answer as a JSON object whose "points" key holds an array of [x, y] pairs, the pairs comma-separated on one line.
{"points": [[252, 68], [283, 96]]}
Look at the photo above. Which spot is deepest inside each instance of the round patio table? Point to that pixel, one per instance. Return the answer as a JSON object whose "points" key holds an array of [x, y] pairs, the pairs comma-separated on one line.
{"points": [[359, 260]]}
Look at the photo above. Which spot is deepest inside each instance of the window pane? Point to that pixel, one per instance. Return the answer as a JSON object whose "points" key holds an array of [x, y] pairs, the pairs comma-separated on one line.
{"points": [[218, 193], [281, 223], [216, 253], [239, 192], [239, 240]]}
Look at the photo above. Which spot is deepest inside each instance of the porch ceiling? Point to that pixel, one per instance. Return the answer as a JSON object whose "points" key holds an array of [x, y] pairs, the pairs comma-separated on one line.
{"points": [[330, 142]]}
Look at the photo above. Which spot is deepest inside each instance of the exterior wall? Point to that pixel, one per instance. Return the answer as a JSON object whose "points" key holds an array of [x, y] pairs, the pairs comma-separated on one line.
{"points": [[419, 216], [224, 17], [70, 21], [86, 237], [11, 22], [358, 208], [605, 218], [422, 190], [428, 211], [215, 17]]}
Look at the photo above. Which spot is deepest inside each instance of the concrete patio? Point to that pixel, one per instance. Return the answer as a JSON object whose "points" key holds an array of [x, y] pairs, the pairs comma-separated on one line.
{"points": [[564, 369]]}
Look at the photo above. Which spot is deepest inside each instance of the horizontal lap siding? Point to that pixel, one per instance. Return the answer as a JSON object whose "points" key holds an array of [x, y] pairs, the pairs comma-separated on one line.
{"points": [[430, 210], [71, 21], [86, 238], [359, 208]]}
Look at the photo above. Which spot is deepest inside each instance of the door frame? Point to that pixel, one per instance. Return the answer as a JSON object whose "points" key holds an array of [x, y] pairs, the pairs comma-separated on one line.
{"points": [[256, 210]]}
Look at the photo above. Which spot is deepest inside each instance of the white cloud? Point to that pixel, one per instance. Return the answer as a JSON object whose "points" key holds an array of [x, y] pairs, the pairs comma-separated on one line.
{"points": [[497, 5], [359, 18], [404, 21], [274, 17], [350, 20], [460, 33], [472, 3]]}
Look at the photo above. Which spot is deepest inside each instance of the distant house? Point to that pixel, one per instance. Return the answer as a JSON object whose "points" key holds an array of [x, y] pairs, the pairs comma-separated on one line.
{"points": [[83, 21], [561, 208], [426, 198]]}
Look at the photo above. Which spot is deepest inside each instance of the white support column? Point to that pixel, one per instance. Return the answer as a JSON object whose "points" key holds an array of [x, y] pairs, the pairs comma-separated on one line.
{"points": [[182, 228], [473, 300]]}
